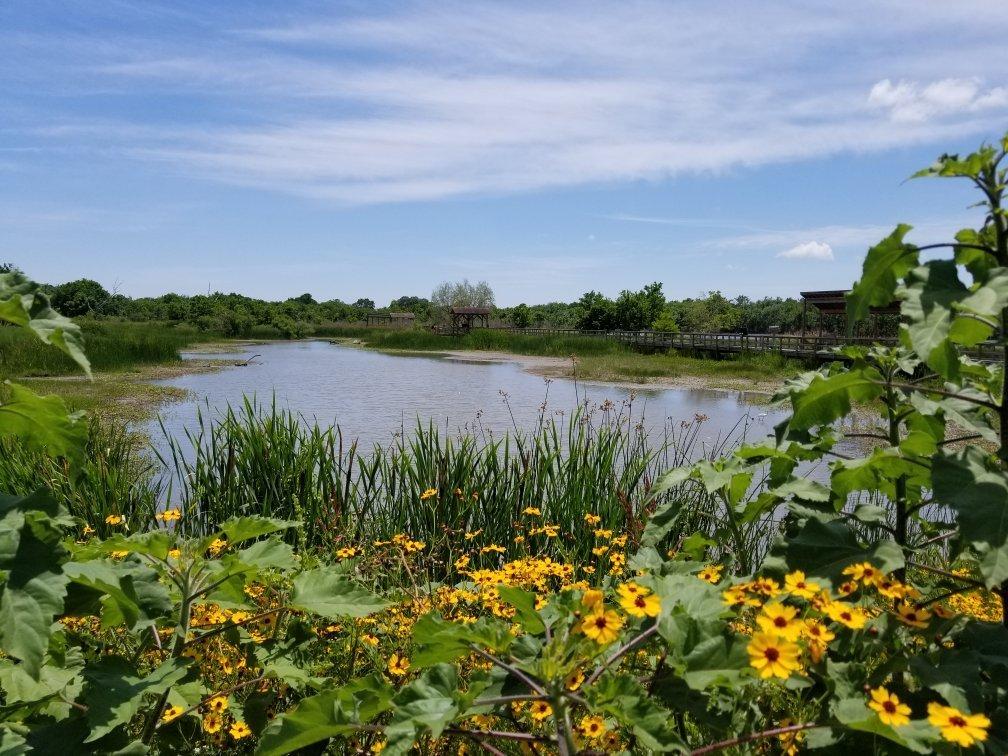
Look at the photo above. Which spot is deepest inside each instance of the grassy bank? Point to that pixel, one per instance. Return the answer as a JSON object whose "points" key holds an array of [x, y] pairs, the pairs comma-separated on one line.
{"points": [[597, 358]]}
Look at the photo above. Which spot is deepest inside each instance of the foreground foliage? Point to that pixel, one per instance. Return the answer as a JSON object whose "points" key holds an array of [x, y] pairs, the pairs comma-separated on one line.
{"points": [[874, 619]]}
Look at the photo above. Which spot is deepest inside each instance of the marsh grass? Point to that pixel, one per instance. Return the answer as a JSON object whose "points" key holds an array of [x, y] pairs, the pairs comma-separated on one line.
{"points": [[599, 460], [110, 346]]}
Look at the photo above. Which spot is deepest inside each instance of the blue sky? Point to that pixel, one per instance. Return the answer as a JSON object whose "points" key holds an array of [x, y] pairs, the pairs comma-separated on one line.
{"points": [[374, 149]]}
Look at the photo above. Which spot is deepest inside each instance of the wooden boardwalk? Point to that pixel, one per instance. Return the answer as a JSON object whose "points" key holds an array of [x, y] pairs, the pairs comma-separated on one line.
{"points": [[809, 346]]}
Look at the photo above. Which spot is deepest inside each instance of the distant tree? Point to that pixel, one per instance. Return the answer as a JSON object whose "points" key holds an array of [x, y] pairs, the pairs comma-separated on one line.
{"points": [[462, 294], [364, 304], [305, 299], [666, 322], [81, 297], [595, 312], [520, 316]]}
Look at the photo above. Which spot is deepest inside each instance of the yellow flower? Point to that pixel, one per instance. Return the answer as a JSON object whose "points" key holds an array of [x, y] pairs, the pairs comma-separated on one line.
{"points": [[539, 710], [574, 679], [773, 656], [711, 573], [890, 711], [600, 550], [170, 515], [378, 747], [462, 562], [819, 637], [369, 639], [602, 626], [115, 519], [956, 726], [592, 519], [212, 722], [601, 533], [239, 730], [217, 704], [737, 595], [765, 586], [780, 619], [863, 572], [347, 552], [171, 713], [592, 598], [796, 584], [889, 587], [398, 665], [174, 553], [217, 546], [641, 605], [531, 511], [118, 554], [592, 727], [851, 616], [913, 616], [428, 494], [88, 530], [470, 536]]}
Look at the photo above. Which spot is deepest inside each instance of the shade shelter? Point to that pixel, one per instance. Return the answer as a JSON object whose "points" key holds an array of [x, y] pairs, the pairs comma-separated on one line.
{"points": [[831, 307], [466, 318]]}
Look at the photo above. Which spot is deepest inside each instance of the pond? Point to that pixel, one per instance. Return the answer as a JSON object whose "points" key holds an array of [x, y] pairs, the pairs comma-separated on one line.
{"points": [[373, 395]]}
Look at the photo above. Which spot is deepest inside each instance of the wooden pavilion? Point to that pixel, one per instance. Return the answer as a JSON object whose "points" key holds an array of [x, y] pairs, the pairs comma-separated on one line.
{"points": [[466, 318], [832, 308]]}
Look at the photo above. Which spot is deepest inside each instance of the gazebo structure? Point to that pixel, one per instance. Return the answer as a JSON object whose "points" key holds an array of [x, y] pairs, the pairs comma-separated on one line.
{"points": [[466, 318], [832, 308], [394, 319]]}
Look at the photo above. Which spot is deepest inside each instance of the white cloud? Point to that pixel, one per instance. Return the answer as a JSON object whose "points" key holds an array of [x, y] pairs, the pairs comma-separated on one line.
{"points": [[432, 100], [909, 102], [812, 250]]}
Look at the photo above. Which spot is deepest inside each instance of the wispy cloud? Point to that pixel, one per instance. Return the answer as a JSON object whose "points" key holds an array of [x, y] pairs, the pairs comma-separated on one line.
{"points": [[427, 101]]}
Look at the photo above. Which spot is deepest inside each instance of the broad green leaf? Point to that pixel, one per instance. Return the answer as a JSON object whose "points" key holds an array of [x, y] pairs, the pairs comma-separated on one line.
{"points": [[626, 700], [691, 610], [155, 543], [134, 596], [326, 715], [42, 423], [269, 554], [828, 398], [977, 261], [885, 264], [426, 705], [930, 292], [437, 640], [30, 554], [241, 529], [524, 604], [916, 736], [823, 549], [116, 690], [23, 304], [979, 496], [322, 592], [11, 743], [715, 661]]}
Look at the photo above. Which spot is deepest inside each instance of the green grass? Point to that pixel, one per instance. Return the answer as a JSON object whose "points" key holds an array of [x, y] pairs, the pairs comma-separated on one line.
{"points": [[743, 368], [110, 346]]}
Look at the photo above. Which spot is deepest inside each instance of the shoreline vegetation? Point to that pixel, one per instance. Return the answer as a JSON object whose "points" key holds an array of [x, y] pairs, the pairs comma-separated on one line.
{"points": [[130, 359]]}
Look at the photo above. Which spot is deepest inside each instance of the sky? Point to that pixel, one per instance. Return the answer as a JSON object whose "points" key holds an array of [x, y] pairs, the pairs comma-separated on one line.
{"points": [[374, 149]]}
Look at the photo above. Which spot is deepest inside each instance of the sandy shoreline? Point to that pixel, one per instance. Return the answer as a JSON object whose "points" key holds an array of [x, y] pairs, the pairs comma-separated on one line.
{"points": [[561, 367]]}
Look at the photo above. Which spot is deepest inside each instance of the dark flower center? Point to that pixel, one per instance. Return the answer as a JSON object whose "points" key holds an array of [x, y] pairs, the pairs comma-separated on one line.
{"points": [[772, 654], [957, 721], [780, 622], [889, 706]]}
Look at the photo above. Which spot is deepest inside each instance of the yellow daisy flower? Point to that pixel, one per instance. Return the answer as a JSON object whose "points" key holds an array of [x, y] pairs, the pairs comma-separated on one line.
{"points": [[957, 726], [772, 656], [888, 707]]}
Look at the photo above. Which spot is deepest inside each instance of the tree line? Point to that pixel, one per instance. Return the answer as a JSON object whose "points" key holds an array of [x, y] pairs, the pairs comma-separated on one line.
{"points": [[239, 315]]}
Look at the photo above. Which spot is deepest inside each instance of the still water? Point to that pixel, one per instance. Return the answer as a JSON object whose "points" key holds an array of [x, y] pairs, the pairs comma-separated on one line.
{"points": [[373, 396]]}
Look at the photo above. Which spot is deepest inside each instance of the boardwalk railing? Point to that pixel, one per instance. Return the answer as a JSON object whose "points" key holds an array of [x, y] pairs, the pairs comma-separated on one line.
{"points": [[789, 345]]}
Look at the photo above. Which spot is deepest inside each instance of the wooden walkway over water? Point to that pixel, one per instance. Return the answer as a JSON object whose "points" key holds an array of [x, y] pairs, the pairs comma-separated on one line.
{"points": [[808, 346]]}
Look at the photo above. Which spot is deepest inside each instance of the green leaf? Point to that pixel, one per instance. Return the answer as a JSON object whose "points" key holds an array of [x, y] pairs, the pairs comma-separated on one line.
{"points": [[23, 304], [437, 640], [524, 604], [428, 704], [241, 529], [322, 592], [979, 496], [855, 714], [829, 398], [12, 744], [626, 700], [885, 264], [269, 554], [691, 611], [930, 292], [326, 715], [134, 596], [116, 690], [716, 661], [42, 423], [30, 553], [823, 549]]}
